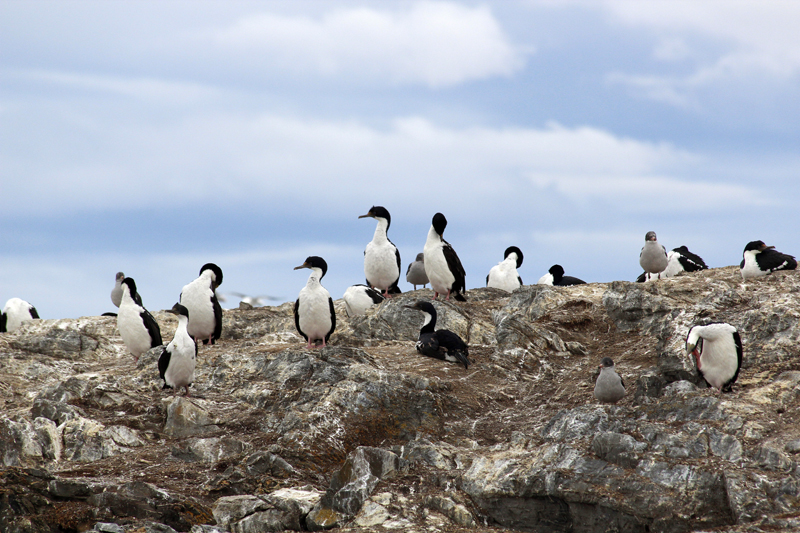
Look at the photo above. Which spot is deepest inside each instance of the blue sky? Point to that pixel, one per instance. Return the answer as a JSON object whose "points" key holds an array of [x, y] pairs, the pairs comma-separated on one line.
{"points": [[153, 137]]}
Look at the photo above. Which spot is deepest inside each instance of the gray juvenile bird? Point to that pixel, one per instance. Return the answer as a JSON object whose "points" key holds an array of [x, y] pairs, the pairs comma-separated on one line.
{"points": [[609, 387]]}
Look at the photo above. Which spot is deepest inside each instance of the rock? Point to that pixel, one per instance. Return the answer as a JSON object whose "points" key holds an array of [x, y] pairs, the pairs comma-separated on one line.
{"points": [[314, 438], [187, 418], [351, 485]]}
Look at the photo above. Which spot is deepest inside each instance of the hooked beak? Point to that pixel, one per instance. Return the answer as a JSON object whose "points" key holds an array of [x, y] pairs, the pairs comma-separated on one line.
{"points": [[304, 265], [368, 215]]}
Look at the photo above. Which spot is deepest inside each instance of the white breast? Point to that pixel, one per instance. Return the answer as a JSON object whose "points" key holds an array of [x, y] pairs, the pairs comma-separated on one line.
{"points": [[436, 265], [196, 297], [750, 269], [180, 372], [314, 312], [131, 327]]}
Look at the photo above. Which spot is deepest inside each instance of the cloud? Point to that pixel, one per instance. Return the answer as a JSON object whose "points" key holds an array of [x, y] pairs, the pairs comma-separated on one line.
{"points": [[283, 161], [436, 44], [753, 40]]}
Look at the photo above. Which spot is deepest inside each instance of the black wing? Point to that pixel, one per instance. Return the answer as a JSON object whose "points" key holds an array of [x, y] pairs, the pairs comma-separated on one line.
{"points": [[217, 317], [297, 319], [689, 261], [487, 280], [152, 328], [395, 289], [333, 320], [455, 266], [770, 260], [566, 281], [3, 322], [163, 362], [520, 281], [374, 295], [642, 277], [33, 312], [428, 345], [453, 345], [727, 387]]}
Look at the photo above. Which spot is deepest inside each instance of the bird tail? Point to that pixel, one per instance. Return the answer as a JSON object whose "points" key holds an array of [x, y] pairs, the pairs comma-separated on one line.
{"points": [[460, 297]]}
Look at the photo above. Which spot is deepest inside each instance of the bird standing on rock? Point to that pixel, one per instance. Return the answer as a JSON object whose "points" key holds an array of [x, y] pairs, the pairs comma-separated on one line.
{"points": [[759, 260], [415, 274], [314, 315], [200, 298], [653, 257], [504, 274], [137, 327], [440, 344], [381, 257], [609, 387], [15, 312], [178, 359], [442, 265], [679, 260], [717, 350]]}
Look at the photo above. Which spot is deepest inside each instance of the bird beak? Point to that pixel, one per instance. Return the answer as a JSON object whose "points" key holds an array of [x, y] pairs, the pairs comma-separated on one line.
{"points": [[690, 348], [304, 265], [366, 216]]}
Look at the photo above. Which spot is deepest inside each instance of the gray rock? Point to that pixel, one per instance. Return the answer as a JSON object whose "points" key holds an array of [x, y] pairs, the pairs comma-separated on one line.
{"points": [[618, 448], [209, 450], [351, 485], [188, 418]]}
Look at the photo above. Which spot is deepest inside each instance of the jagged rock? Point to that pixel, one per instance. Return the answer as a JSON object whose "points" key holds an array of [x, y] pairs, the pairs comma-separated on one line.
{"points": [[187, 418], [86, 440], [279, 510], [209, 450], [516, 441], [351, 485]]}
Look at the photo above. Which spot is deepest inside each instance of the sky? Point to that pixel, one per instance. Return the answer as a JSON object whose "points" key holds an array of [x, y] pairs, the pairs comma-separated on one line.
{"points": [[151, 137]]}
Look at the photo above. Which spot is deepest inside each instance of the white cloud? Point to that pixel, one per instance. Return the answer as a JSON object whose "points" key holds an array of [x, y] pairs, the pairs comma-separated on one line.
{"points": [[754, 40], [432, 43], [270, 159]]}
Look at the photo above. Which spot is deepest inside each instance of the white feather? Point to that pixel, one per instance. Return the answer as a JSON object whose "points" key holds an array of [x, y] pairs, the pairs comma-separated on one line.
{"points": [[130, 325], [314, 312], [380, 259], [196, 297], [504, 274], [436, 265], [180, 372], [17, 311]]}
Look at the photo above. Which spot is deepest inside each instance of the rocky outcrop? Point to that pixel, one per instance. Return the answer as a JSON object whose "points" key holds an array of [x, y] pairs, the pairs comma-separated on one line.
{"points": [[367, 433]]}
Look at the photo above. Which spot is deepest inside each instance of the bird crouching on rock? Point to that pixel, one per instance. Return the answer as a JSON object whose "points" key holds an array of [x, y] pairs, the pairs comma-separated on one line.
{"points": [[555, 276], [609, 387], [359, 298], [314, 316], [679, 260], [178, 359], [758, 260], [717, 351], [440, 344], [15, 312]]}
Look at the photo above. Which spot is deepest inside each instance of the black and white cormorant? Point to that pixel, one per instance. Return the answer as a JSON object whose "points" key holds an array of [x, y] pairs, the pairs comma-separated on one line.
{"points": [[440, 344], [200, 298], [137, 327], [178, 359], [442, 265], [359, 298], [555, 276], [314, 315], [504, 274], [717, 350], [759, 260], [381, 257], [15, 312]]}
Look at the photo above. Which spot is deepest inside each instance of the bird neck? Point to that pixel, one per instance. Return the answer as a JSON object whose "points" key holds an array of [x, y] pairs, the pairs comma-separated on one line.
{"points": [[314, 278], [183, 325], [433, 237], [429, 324], [380, 231]]}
